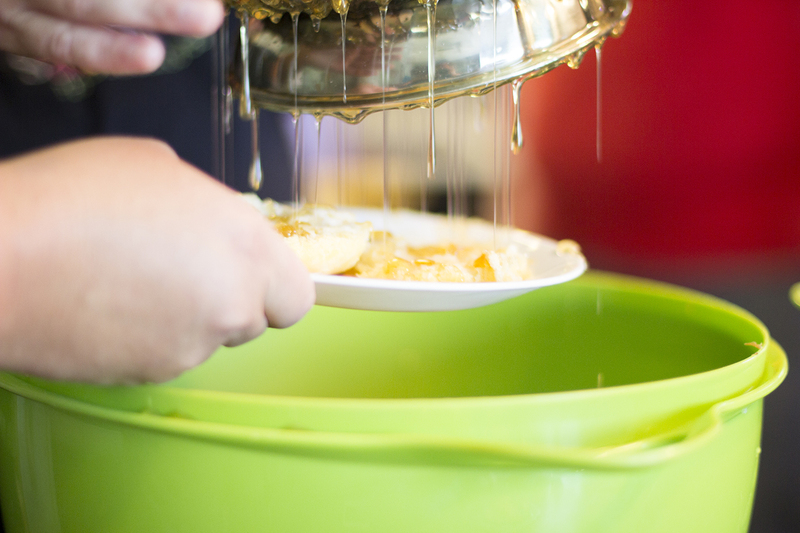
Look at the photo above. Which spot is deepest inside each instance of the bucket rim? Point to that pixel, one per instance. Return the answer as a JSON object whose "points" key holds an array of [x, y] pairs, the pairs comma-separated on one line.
{"points": [[437, 450], [618, 282]]}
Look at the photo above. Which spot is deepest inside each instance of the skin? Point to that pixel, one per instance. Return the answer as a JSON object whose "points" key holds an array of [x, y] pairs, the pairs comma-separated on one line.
{"points": [[120, 263], [108, 36]]}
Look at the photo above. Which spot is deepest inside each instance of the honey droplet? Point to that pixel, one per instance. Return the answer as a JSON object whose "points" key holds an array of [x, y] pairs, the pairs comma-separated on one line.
{"points": [[574, 60]]}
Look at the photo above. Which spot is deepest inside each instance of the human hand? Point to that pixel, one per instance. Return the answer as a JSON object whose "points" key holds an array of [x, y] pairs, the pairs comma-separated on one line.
{"points": [[102, 36], [120, 263]]}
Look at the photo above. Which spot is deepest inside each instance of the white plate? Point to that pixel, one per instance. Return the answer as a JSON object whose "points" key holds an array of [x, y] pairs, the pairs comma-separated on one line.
{"points": [[550, 264]]}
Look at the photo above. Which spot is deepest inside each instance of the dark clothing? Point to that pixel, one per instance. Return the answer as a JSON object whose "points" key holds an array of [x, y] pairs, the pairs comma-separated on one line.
{"points": [[175, 107]]}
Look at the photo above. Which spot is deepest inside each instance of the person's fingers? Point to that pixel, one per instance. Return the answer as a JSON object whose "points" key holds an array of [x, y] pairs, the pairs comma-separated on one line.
{"points": [[179, 17], [289, 290], [89, 48], [96, 36]]}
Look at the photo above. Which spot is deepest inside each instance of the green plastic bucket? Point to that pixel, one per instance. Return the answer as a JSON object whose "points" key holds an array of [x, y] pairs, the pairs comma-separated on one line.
{"points": [[606, 404]]}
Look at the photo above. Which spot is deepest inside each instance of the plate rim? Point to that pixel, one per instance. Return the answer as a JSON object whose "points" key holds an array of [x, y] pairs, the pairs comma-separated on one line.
{"points": [[576, 263]]}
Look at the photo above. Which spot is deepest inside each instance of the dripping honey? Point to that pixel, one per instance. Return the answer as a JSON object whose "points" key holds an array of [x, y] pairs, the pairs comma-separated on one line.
{"points": [[351, 112]]}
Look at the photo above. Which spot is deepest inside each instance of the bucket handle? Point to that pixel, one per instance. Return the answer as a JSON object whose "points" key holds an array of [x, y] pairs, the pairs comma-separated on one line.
{"points": [[436, 450]]}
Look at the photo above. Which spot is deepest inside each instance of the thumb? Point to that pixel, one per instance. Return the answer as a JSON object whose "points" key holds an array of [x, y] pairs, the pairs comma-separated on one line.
{"points": [[289, 292]]}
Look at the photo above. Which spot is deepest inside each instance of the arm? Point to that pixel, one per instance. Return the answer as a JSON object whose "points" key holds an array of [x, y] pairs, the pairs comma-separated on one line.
{"points": [[121, 263]]}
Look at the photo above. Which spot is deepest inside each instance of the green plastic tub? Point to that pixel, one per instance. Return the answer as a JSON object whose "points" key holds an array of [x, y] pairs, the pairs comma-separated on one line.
{"points": [[606, 404]]}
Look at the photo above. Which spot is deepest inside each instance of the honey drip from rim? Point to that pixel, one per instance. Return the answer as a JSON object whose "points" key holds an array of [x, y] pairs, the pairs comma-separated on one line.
{"points": [[256, 173], [245, 102], [344, 57], [386, 200], [430, 8], [516, 129], [295, 119], [599, 147]]}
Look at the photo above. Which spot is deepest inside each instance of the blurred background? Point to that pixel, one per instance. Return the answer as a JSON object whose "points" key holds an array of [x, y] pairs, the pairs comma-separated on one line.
{"points": [[698, 180]]}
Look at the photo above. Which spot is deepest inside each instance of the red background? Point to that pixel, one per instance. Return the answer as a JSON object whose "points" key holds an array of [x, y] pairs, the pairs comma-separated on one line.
{"points": [[700, 142]]}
